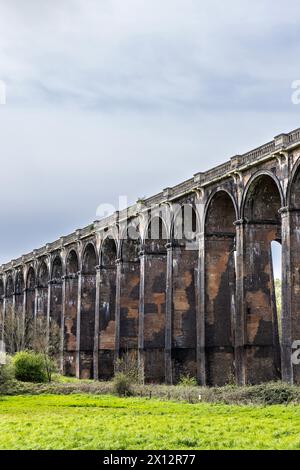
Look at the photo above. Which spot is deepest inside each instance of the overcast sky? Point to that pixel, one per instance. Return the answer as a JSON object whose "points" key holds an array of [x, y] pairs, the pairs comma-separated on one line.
{"points": [[126, 97]]}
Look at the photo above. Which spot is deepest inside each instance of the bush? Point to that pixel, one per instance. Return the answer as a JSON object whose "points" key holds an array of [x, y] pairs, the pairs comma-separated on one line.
{"points": [[122, 385], [273, 393], [188, 381], [30, 367], [7, 373], [128, 365]]}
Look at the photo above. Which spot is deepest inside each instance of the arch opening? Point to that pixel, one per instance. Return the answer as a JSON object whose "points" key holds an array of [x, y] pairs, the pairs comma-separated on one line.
{"points": [[262, 228], [70, 320], [291, 326], [87, 315], [185, 271], [42, 296], [107, 323], [153, 277], [1, 309], [220, 278], [130, 295], [30, 307], [72, 265]]}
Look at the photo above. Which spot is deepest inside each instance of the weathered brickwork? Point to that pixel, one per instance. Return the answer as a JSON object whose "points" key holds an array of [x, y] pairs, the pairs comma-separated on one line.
{"points": [[183, 295]]}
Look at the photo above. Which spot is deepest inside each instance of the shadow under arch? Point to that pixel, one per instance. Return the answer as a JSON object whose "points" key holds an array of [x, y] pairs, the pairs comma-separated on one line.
{"points": [[87, 313], [55, 300], [262, 225], [290, 275], [154, 356], [129, 272], [220, 234], [1, 309], [29, 306], [71, 307], [107, 307], [42, 291], [185, 241]]}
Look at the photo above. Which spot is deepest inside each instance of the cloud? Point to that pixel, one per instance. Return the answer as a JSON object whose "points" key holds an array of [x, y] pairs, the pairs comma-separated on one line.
{"points": [[127, 97]]}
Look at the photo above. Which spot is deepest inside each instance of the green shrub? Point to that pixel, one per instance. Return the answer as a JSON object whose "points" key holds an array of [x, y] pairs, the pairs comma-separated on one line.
{"points": [[188, 381], [273, 393], [122, 385], [30, 367], [7, 373]]}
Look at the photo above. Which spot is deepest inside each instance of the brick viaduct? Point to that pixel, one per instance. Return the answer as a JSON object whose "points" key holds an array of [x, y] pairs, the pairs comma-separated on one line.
{"points": [[200, 301]]}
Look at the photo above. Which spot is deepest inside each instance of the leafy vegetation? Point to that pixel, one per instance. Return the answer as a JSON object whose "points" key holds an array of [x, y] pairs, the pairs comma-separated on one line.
{"points": [[7, 372], [30, 367], [107, 422], [122, 385]]}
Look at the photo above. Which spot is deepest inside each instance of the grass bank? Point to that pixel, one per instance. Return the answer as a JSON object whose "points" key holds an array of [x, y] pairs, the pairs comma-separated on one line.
{"points": [[265, 394], [108, 422]]}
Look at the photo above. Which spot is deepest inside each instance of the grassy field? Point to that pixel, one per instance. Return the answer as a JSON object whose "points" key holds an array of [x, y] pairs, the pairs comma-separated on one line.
{"points": [[108, 422]]}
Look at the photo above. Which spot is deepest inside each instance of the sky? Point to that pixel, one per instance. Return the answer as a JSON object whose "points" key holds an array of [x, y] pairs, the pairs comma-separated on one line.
{"points": [[114, 98]]}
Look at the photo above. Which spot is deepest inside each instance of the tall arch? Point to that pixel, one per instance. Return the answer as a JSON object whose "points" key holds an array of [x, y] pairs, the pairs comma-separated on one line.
{"points": [[185, 270], [9, 293], [87, 314], [107, 318], [219, 288], [262, 225], [154, 277], [130, 290], [1, 308], [71, 303], [291, 277], [55, 317], [42, 291], [19, 296], [30, 306]]}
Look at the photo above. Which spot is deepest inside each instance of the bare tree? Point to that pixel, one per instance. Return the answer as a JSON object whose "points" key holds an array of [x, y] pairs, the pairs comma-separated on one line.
{"points": [[26, 333], [17, 332], [47, 342]]}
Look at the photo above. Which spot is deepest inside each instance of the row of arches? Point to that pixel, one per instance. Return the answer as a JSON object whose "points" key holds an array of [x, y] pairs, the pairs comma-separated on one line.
{"points": [[171, 300]]}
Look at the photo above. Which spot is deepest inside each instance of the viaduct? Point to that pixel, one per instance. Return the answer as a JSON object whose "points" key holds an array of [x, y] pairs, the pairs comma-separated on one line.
{"points": [[186, 295]]}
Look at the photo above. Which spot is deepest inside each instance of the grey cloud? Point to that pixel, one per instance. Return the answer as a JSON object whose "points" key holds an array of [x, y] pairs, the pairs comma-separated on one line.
{"points": [[127, 97]]}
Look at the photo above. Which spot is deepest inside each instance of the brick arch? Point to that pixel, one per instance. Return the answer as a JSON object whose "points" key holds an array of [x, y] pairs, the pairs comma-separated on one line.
{"points": [[185, 254], [185, 219], [70, 355], [87, 313], [262, 200], [56, 267], [56, 293], [262, 183], [9, 286], [107, 305], [290, 274], [19, 282], [220, 215], [89, 259], [30, 305], [42, 293], [154, 282], [129, 279], [108, 251], [30, 278], [19, 291], [43, 273], [293, 190], [163, 215], [1, 307], [226, 205], [1, 287], [130, 242], [72, 262]]}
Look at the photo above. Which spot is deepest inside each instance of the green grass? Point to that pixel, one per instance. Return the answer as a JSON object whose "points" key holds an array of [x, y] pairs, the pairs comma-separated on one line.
{"points": [[107, 422]]}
